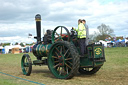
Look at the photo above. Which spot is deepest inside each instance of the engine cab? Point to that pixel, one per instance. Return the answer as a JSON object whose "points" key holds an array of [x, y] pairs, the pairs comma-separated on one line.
{"points": [[47, 39]]}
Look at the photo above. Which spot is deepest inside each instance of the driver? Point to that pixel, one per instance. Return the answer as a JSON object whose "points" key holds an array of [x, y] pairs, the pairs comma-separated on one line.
{"points": [[81, 36]]}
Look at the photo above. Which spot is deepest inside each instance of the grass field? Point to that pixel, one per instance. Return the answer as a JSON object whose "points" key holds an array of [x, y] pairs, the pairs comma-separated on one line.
{"points": [[113, 72]]}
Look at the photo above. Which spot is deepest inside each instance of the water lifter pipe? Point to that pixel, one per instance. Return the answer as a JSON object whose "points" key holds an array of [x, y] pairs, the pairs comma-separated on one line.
{"points": [[38, 27]]}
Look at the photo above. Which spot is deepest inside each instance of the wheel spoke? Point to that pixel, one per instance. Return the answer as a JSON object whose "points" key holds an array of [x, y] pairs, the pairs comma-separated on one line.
{"points": [[68, 59], [66, 52], [67, 69], [56, 39], [63, 48], [56, 61], [61, 38], [61, 32], [68, 55], [57, 54], [68, 66], [69, 62], [57, 50], [54, 57], [56, 65], [57, 34]]}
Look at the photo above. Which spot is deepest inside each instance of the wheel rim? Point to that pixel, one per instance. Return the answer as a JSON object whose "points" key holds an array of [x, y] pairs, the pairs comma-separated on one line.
{"points": [[89, 71], [60, 61], [60, 33], [25, 64]]}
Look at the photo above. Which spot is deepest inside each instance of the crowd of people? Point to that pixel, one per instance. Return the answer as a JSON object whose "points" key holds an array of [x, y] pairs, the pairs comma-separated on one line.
{"points": [[117, 42]]}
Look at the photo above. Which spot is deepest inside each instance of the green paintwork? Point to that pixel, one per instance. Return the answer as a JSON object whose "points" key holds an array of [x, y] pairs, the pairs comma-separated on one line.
{"points": [[22, 66], [85, 62], [94, 51], [42, 50], [37, 62], [51, 62], [53, 35], [90, 52]]}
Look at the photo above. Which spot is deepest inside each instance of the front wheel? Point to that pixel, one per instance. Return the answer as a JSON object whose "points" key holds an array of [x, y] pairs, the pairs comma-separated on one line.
{"points": [[89, 71], [26, 64], [63, 60]]}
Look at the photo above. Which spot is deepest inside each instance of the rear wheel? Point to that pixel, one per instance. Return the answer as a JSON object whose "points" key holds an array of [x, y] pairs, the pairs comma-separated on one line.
{"points": [[26, 65], [63, 60], [89, 71]]}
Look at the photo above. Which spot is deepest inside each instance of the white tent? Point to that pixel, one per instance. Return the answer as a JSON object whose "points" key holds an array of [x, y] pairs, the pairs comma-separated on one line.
{"points": [[7, 48], [1, 47]]}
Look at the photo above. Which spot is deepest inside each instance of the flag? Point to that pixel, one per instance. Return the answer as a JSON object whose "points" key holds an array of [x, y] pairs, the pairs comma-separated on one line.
{"points": [[29, 34]]}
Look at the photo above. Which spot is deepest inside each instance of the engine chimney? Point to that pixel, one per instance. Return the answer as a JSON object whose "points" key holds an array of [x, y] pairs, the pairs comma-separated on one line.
{"points": [[38, 27]]}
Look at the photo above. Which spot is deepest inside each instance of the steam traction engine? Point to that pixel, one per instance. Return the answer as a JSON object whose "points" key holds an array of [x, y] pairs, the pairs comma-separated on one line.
{"points": [[60, 51]]}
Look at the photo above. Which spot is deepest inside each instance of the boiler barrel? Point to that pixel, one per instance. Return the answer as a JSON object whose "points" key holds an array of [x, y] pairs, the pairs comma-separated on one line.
{"points": [[41, 50]]}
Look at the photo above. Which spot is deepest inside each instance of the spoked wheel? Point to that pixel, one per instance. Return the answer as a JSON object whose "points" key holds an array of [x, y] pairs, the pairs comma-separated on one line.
{"points": [[63, 60], [89, 71], [26, 65], [60, 33]]}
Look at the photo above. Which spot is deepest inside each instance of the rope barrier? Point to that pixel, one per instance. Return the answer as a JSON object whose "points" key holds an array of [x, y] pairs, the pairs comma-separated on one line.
{"points": [[22, 78]]}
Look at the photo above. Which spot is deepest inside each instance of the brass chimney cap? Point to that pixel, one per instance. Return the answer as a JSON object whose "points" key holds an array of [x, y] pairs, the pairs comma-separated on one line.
{"points": [[38, 17]]}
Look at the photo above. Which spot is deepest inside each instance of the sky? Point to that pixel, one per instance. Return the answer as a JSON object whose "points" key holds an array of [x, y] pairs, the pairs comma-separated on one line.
{"points": [[17, 17]]}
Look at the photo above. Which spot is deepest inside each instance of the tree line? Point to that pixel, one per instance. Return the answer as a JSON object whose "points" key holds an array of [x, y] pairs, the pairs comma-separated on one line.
{"points": [[103, 31]]}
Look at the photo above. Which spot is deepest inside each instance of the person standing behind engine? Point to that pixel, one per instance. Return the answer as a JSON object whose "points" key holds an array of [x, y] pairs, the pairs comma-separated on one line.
{"points": [[87, 31], [81, 36]]}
